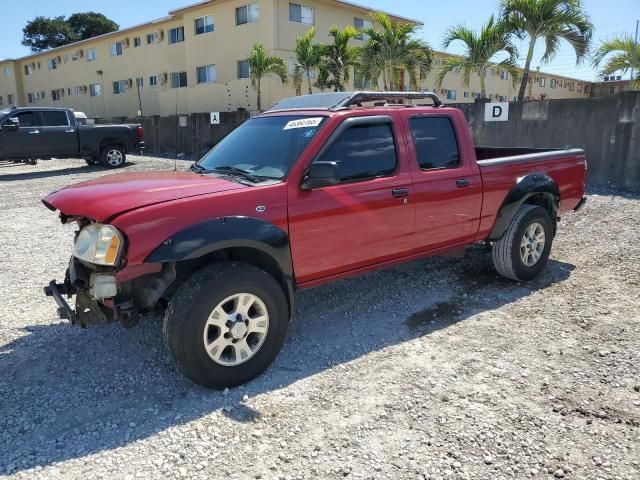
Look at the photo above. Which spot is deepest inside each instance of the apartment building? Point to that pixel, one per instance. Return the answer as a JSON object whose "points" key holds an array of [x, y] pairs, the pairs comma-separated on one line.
{"points": [[193, 60]]}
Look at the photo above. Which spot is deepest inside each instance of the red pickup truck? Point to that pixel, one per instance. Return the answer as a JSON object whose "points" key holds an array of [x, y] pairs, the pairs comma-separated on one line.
{"points": [[318, 188]]}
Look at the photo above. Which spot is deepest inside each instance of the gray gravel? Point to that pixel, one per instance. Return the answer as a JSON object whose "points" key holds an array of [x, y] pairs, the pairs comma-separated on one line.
{"points": [[436, 369]]}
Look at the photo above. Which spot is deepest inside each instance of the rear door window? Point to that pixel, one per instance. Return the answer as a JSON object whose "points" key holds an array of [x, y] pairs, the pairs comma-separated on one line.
{"points": [[435, 143], [54, 118], [363, 152]]}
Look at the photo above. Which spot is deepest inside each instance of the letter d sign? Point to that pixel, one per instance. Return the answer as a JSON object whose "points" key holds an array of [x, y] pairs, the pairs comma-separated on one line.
{"points": [[496, 112]]}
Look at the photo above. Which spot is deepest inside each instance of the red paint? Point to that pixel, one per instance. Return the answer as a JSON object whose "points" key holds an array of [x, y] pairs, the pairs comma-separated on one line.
{"points": [[336, 231]]}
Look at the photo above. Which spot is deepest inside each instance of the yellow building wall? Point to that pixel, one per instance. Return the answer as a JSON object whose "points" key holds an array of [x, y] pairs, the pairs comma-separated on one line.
{"points": [[9, 84], [223, 47]]}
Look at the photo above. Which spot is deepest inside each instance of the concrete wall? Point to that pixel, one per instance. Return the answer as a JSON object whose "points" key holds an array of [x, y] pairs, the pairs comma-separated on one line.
{"points": [[607, 128], [164, 135]]}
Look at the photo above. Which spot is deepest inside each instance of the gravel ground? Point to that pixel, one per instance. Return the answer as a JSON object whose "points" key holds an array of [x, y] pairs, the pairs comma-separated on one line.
{"points": [[435, 369]]}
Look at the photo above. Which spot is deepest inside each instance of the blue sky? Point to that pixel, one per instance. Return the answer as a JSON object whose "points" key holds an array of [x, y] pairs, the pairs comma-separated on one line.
{"points": [[609, 17]]}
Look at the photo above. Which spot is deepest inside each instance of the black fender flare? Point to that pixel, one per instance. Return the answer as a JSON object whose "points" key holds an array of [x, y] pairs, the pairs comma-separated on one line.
{"points": [[533, 184], [223, 233]]}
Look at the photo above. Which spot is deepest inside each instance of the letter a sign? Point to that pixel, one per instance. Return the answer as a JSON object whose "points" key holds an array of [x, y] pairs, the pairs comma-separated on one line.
{"points": [[215, 118], [496, 112]]}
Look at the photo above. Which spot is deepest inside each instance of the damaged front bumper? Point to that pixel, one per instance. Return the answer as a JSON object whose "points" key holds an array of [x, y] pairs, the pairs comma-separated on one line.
{"points": [[100, 299]]}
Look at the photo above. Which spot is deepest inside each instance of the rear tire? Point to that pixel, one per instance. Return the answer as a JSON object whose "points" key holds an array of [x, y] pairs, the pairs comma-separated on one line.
{"points": [[113, 156], [210, 341], [523, 251]]}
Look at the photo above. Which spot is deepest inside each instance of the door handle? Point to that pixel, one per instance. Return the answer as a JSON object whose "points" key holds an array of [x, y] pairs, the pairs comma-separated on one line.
{"points": [[69, 131], [462, 182], [34, 132], [400, 192]]}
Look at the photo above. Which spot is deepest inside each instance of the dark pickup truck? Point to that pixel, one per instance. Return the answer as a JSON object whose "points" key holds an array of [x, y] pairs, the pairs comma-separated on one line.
{"points": [[41, 133]]}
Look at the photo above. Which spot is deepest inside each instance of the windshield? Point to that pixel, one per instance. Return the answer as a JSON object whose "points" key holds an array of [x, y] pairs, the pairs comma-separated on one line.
{"points": [[263, 147]]}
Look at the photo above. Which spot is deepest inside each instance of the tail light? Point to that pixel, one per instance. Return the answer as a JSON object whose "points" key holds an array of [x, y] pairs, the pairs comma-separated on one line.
{"points": [[140, 133]]}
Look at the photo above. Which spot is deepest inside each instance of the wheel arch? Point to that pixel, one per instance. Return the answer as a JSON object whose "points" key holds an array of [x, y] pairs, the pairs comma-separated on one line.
{"points": [[533, 189], [242, 239]]}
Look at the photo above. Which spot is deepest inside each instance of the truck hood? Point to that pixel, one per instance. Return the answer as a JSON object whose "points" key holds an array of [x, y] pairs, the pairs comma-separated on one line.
{"points": [[111, 195]]}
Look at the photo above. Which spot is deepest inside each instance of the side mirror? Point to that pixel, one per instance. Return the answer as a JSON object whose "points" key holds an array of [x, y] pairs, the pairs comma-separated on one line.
{"points": [[11, 125], [321, 174]]}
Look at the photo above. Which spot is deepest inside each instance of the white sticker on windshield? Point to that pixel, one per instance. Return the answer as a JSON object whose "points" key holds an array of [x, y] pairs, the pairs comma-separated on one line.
{"points": [[303, 123]]}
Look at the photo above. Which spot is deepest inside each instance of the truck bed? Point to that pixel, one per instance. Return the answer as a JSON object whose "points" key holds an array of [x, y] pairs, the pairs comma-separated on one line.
{"points": [[500, 168]]}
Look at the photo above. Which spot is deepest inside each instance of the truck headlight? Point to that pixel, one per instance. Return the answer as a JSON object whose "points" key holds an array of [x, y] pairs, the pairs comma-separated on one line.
{"points": [[99, 244]]}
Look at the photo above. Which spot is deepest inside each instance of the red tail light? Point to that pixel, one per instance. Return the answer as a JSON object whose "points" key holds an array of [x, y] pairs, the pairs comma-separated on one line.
{"points": [[140, 133]]}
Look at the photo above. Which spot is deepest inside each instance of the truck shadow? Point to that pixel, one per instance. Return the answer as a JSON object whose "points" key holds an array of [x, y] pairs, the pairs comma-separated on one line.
{"points": [[35, 173], [67, 393]]}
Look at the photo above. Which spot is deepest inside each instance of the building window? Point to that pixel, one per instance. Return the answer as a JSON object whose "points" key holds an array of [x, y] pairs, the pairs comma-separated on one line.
{"points": [[176, 35], [30, 98], [0, 99], [119, 87], [52, 64], [28, 70], [204, 24], [153, 80], [55, 95], [116, 49], [361, 24], [94, 90], [247, 14], [451, 95], [10, 99], [612, 89], [465, 94], [137, 42], [552, 83], [504, 75], [75, 56], [139, 82], [542, 82], [65, 59], [43, 95], [7, 71], [80, 90], [243, 69], [153, 38], [69, 92], [92, 55], [206, 74], [178, 79], [579, 88], [302, 14]]}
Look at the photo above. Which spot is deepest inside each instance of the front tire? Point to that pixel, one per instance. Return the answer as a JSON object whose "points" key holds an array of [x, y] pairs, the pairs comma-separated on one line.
{"points": [[226, 324], [113, 156], [523, 251]]}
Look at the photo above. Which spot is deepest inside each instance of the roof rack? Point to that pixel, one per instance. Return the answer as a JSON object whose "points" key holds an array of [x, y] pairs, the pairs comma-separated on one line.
{"points": [[333, 101], [360, 97]]}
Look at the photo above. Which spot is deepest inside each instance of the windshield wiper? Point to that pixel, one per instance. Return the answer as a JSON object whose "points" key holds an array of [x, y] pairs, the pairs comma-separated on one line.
{"points": [[197, 168], [241, 173]]}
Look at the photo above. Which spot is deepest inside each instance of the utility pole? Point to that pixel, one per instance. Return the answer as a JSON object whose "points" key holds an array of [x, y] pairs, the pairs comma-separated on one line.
{"points": [[636, 42]]}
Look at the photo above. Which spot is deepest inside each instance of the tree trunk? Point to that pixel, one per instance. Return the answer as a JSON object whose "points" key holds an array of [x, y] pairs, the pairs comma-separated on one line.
{"points": [[259, 99], [527, 67], [483, 88], [309, 81]]}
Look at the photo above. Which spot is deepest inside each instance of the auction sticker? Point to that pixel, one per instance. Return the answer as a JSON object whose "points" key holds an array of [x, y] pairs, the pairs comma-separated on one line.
{"points": [[303, 123]]}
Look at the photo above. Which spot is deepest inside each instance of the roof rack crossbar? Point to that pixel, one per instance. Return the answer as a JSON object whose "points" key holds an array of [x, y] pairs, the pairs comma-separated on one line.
{"points": [[359, 97]]}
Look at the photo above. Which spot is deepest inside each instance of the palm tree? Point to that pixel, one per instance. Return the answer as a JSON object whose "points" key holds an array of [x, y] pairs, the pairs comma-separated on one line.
{"points": [[260, 64], [393, 50], [627, 57], [551, 20], [338, 58], [493, 39], [308, 53]]}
